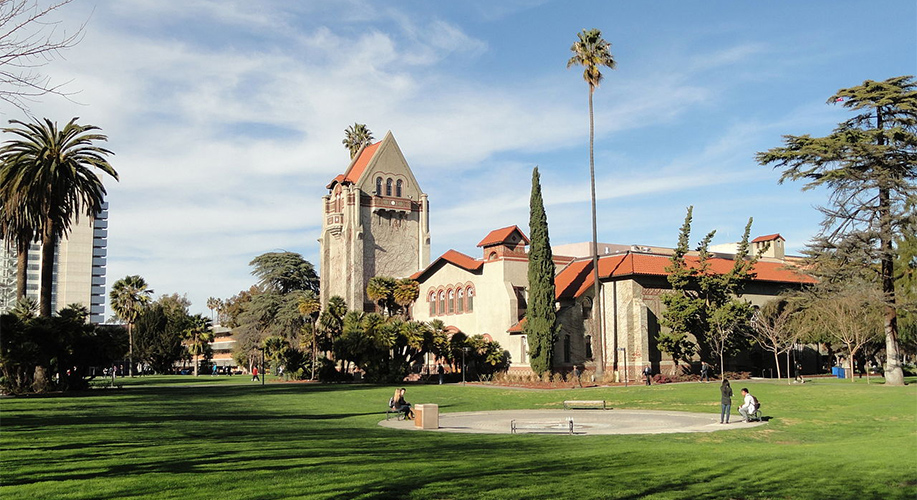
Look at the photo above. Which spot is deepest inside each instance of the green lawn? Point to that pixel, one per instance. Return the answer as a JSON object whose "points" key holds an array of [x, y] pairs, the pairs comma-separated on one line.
{"points": [[224, 438]]}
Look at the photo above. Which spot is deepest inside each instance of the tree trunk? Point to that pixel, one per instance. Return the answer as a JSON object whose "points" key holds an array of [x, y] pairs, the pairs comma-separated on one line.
{"points": [[894, 374], [597, 311], [777, 362], [46, 290], [130, 348], [22, 270]]}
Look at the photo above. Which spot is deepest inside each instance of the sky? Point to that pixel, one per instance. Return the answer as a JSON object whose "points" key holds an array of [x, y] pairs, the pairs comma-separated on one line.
{"points": [[226, 117]]}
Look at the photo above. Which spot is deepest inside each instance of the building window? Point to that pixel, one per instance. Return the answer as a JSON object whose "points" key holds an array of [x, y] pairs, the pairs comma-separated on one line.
{"points": [[451, 303], [460, 301], [432, 299], [398, 188], [388, 187], [524, 346], [442, 302], [587, 308], [566, 348], [378, 186], [469, 304], [588, 346]]}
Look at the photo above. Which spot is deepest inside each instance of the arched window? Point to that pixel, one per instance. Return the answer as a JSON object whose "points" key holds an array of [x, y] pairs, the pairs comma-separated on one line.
{"points": [[451, 303], [432, 299], [388, 187], [460, 302], [469, 304], [398, 188], [442, 302], [588, 346], [378, 186]]}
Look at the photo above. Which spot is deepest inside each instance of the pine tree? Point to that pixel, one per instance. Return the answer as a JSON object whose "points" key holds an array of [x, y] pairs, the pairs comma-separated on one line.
{"points": [[540, 327], [869, 166]]}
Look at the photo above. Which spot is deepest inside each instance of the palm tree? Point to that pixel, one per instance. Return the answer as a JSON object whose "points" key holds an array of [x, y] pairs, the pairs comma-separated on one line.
{"points": [[405, 293], [129, 296], [18, 232], [309, 306], [47, 178], [200, 333], [214, 304], [355, 137], [591, 51]]}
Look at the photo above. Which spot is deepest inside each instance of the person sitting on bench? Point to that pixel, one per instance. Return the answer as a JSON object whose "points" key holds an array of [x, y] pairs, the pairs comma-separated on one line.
{"points": [[748, 409], [398, 404]]}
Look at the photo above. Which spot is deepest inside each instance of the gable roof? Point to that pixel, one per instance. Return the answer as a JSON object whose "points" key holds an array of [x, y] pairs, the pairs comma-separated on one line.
{"points": [[498, 236], [576, 278], [452, 257], [357, 165], [769, 237]]}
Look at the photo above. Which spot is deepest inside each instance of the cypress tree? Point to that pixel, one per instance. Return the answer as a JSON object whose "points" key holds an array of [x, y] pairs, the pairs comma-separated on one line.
{"points": [[540, 328]]}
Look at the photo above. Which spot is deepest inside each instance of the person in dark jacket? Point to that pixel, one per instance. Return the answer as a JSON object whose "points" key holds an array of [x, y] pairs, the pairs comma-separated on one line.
{"points": [[725, 401]]}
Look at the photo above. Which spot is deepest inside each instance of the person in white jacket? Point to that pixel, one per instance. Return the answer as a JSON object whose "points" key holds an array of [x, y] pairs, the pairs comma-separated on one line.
{"points": [[749, 407]]}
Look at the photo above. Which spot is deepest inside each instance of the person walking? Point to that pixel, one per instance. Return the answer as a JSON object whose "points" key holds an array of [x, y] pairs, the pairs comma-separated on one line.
{"points": [[441, 371], [725, 401], [577, 376], [255, 374], [704, 372], [648, 374]]}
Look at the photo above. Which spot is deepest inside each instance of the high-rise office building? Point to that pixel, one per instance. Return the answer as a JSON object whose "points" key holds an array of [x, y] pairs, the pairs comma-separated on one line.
{"points": [[79, 268]]}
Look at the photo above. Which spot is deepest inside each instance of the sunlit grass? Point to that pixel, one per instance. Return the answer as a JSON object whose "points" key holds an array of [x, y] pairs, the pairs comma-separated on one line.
{"points": [[229, 438]]}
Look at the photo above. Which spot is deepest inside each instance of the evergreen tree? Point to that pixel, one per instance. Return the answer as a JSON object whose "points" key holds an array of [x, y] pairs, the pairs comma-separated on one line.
{"points": [[704, 303], [869, 166], [540, 327]]}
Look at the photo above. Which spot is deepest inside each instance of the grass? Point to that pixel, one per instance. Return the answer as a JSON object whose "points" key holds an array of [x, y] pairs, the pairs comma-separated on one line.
{"points": [[229, 438]]}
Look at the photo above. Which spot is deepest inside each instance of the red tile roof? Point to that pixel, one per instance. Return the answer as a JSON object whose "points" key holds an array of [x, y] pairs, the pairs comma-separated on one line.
{"points": [[498, 236], [517, 328], [577, 277], [769, 237], [455, 258], [357, 166]]}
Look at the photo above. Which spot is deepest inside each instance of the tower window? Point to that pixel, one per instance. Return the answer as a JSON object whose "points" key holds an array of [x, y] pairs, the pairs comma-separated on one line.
{"points": [[378, 186], [398, 188], [388, 187]]}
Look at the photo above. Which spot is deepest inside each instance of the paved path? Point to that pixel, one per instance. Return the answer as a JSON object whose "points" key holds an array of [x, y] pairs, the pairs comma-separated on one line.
{"points": [[584, 421]]}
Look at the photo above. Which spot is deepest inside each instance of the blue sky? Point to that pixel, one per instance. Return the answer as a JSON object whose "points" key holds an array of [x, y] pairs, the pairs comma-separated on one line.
{"points": [[227, 116]]}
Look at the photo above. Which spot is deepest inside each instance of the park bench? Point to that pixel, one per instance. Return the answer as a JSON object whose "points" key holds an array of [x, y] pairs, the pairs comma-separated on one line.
{"points": [[565, 426], [598, 404]]}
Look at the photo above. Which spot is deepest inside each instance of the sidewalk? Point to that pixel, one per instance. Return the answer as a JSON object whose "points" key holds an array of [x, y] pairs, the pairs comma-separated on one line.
{"points": [[588, 422]]}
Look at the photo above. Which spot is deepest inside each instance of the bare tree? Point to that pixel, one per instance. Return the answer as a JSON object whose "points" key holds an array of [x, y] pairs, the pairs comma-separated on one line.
{"points": [[30, 37], [771, 329]]}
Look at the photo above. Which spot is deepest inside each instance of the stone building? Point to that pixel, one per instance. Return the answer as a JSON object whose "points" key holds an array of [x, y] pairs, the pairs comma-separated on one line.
{"points": [[376, 222]]}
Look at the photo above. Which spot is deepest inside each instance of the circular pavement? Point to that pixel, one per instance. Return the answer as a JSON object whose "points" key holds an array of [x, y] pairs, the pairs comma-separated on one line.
{"points": [[585, 422]]}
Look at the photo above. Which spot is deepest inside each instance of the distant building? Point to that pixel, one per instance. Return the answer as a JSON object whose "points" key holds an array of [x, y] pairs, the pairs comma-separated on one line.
{"points": [[79, 269], [376, 222], [487, 296]]}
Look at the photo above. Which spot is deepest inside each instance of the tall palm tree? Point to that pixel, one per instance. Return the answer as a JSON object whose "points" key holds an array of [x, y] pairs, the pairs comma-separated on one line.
{"points": [[355, 137], [47, 176], [214, 304], [18, 232], [129, 296], [309, 306], [199, 333], [592, 52]]}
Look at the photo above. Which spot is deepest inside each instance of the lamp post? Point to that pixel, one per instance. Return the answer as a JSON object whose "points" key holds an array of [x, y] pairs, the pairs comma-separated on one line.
{"points": [[624, 350], [464, 350]]}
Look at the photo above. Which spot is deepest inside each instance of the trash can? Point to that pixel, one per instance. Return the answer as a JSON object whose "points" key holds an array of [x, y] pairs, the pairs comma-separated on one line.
{"points": [[840, 372], [426, 416]]}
